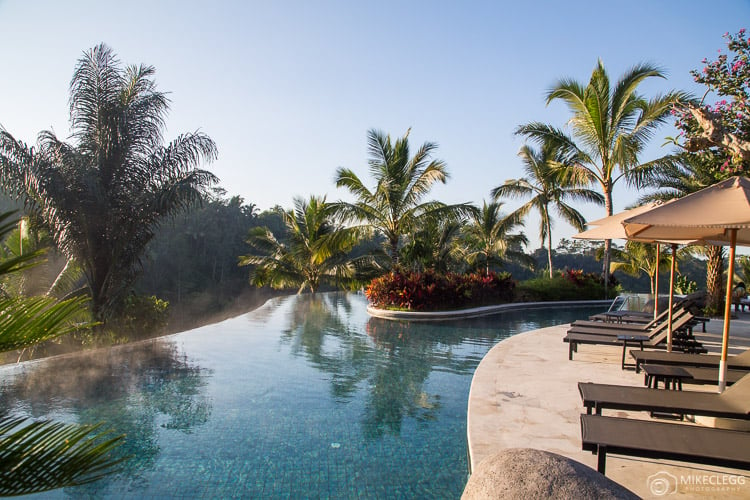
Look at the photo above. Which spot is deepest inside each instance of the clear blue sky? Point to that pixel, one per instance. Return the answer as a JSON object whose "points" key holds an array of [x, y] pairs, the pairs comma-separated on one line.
{"points": [[288, 89]]}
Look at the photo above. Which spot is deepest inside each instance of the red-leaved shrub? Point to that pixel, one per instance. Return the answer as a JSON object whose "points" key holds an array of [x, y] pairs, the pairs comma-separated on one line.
{"points": [[431, 291]]}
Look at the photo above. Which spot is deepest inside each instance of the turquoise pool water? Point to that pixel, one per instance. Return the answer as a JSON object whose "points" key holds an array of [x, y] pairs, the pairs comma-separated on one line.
{"points": [[302, 398]]}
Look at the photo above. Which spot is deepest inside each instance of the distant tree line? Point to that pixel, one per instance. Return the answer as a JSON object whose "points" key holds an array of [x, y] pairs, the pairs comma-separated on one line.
{"points": [[127, 214]]}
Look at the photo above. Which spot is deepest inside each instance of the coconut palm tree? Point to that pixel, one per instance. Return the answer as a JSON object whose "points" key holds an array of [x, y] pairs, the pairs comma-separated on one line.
{"points": [[549, 185], [395, 206], [610, 127], [318, 250], [489, 238], [41, 455], [103, 195]]}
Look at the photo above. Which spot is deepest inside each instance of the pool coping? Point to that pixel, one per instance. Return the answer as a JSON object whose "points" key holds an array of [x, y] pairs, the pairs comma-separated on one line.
{"points": [[524, 394], [475, 312]]}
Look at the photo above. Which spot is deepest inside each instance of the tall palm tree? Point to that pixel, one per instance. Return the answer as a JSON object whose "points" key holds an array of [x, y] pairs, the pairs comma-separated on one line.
{"points": [[103, 195], [318, 250], [610, 126], [41, 455], [490, 240], [395, 207], [549, 184]]}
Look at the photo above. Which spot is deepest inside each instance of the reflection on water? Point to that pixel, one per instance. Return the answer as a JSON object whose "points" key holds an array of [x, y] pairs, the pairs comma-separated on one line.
{"points": [[305, 397], [134, 389]]}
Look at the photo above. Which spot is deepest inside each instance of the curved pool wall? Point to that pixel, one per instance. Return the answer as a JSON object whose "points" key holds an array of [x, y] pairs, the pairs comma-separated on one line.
{"points": [[303, 397], [477, 312]]}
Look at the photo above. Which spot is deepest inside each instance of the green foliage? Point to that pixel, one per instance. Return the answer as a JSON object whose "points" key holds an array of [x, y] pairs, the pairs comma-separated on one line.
{"points": [[684, 285], [192, 260], [396, 206], [431, 291], [104, 195], [727, 78], [550, 185], [489, 239], [318, 251], [141, 314], [610, 126], [566, 285], [44, 455]]}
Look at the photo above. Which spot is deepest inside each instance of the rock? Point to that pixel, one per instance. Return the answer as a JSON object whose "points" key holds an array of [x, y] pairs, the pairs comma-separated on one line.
{"points": [[526, 474]]}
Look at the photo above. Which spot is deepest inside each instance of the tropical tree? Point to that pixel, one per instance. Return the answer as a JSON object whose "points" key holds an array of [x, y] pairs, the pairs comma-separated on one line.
{"points": [[490, 239], [638, 257], [610, 128], [317, 252], [550, 185], [436, 246], [41, 455], [103, 195], [395, 207], [724, 127], [715, 139]]}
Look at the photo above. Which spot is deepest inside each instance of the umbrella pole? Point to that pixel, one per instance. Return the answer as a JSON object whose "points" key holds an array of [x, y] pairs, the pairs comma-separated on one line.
{"points": [[727, 312], [671, 297], [656, 282]]}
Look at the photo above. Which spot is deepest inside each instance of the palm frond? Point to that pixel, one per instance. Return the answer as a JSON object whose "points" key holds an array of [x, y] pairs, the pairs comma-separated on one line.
{"points": [[37, 456]]}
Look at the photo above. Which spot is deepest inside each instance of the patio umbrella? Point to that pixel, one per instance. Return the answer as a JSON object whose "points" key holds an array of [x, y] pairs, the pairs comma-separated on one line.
{"points": [[611, 228], [719, 215]]}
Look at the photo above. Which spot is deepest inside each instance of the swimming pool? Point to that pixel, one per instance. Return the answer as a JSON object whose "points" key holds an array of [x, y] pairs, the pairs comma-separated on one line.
{"points": [[302, 398]]}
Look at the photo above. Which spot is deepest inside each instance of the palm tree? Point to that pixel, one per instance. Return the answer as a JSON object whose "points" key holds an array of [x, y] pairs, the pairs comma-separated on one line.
{"points": [[38, 456], [318, 250], [610, 126], [435, 246], [549, 186], [104, 195], [639, 257], [395, 207], [489, 238]]}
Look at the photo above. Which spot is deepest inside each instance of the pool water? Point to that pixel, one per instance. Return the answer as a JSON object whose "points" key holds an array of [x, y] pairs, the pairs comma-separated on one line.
{"points": [[305, 397]]}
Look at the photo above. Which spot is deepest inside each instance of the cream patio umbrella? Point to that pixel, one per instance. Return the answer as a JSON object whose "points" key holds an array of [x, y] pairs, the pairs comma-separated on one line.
{"points": [[718, 214], [611, 228]]}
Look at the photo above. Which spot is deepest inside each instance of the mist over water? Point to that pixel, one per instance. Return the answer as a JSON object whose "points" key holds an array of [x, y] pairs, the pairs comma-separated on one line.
{"points": [[303, 397]]}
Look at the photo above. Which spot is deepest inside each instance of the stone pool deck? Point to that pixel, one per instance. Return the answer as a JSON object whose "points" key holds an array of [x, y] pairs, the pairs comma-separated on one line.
{"points": [[524, 394]]}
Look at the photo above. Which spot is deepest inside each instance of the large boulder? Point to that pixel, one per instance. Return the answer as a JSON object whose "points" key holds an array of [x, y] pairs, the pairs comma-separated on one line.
{"points": [[525, 473]]}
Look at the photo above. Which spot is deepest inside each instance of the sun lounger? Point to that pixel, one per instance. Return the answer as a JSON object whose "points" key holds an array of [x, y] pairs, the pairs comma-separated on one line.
{"points": [[734, 402], [585, 326], [644, 321], [654, 339], [699, 376], [660, 440], [738, 362]]}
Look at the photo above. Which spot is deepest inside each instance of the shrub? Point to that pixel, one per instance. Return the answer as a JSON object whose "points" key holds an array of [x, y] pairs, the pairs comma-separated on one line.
{"points": [[566, 285], [142, 315], [432, 291]]}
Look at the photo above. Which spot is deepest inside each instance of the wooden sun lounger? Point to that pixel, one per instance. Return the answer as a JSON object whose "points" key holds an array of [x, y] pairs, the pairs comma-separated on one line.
{"points": [[703, 376], [643, 322], [660, 440], [626, 338], [734, 402], [584, 326], [739, 362]]}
